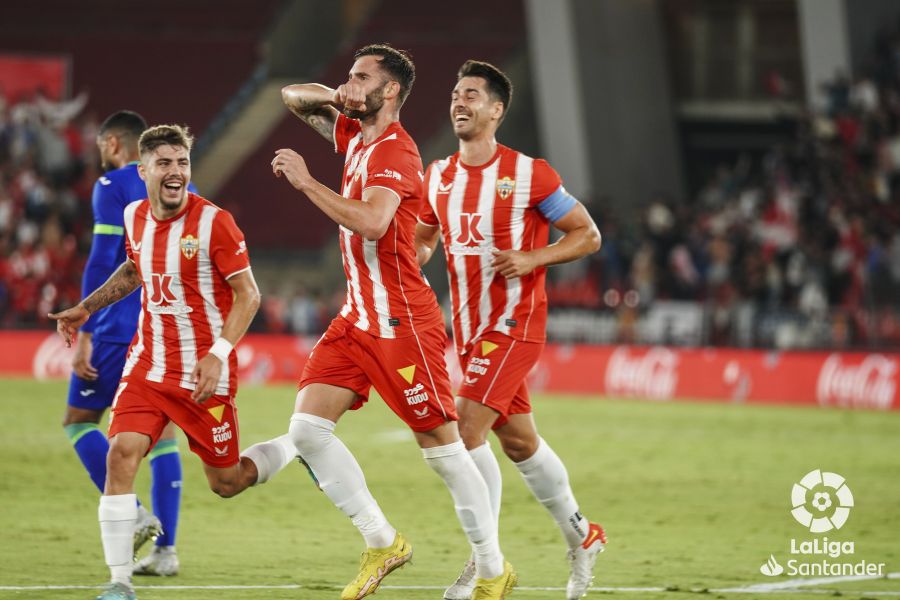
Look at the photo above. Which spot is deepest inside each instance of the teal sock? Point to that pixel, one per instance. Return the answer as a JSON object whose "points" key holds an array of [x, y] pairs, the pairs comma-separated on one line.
{"points": [[165, 464]]}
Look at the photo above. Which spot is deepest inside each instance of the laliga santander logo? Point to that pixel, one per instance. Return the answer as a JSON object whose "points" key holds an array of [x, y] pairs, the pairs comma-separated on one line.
{"points": [[821, 501], [653, 375]]}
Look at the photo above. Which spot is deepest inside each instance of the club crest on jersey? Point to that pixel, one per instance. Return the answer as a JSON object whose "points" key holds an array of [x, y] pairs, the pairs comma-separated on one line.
{"points": [[505, 187], [189, 246]]}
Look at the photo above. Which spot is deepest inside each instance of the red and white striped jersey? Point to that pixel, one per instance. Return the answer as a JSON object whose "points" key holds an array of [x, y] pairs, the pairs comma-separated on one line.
{"points": [[481, 208], [184, 263], [387, 294]]}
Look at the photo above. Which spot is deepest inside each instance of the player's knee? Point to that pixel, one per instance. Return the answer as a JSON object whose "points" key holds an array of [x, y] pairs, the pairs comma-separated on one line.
{"points": [[310, 434], [473, 434], [122, 461], [472, 437], [75, 416], [225, 489], [519, 448]]}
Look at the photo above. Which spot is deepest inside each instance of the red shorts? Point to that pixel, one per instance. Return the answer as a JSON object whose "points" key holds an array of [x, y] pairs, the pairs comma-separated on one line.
{"points": [[409, 373], [494, 373], [146, 407]]}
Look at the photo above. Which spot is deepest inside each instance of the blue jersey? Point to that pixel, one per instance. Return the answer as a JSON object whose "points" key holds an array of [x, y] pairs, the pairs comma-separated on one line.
{"points": [[113, 191]]}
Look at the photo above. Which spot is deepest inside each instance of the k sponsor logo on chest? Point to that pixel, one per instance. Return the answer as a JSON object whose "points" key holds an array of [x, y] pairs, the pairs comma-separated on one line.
{"points": [[162, 298]]}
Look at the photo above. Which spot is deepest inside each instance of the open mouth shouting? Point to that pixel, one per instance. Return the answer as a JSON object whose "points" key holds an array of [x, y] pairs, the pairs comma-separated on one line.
{"points": [[173, 189]]}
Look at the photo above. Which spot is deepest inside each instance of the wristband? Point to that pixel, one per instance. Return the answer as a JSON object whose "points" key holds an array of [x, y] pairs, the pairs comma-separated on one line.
{"points": [[221, 349]]}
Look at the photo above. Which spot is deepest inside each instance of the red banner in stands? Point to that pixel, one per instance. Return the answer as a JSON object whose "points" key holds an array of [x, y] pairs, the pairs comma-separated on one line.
{"points": [[847, 380], [22, 75]]}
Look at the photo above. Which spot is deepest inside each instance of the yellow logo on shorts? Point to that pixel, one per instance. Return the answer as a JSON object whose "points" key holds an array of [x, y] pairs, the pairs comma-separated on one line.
{"points": [[408, 373], [488, 347], [216, 412]]}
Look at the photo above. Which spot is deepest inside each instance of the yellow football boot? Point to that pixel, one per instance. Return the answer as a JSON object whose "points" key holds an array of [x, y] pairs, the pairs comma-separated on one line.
{"points": [[499, 587], [376, 563]]}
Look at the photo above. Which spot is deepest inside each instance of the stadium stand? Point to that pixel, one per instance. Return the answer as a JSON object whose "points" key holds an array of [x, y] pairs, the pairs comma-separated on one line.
{"points": [[797, 246]]}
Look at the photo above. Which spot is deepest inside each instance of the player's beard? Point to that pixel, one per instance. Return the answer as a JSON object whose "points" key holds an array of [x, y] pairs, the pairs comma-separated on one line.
{"points": [[374, 102]]}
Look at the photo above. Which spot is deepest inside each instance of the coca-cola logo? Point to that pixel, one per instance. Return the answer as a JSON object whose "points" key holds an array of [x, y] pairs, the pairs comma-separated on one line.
{"points": [[52, 359], [653, 375], [870, 384]]}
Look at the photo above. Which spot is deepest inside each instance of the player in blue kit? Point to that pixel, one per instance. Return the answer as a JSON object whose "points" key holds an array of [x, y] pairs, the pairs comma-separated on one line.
{"points": [[103, 343]]}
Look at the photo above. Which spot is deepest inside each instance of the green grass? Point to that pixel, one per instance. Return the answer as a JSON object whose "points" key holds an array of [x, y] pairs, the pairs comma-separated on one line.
{"points": [[693, 496]]}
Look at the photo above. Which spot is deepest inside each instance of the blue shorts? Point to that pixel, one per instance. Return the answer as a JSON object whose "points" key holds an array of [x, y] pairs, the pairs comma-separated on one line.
{"points": [[109, 360]]}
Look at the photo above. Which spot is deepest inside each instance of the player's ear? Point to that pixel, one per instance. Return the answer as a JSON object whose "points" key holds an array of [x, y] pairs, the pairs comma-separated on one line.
{"points": [[392, 90], [112, 141], [498, 110], [141, 171]]}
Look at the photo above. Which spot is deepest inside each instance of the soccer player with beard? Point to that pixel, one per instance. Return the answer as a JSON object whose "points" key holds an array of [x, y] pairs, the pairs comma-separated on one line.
{"points": [[493, 207], [103, 342], [390, 333], [198, 299]]}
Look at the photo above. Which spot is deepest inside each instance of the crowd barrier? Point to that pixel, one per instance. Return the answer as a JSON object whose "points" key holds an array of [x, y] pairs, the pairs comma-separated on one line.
{"points": [[832, 379]]}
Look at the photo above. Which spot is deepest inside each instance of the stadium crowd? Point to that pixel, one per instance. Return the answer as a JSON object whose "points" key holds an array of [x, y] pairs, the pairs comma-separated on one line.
{"points": [[48, 167], [810, 228]]}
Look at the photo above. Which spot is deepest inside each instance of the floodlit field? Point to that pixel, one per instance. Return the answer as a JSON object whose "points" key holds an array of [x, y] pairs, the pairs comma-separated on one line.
{"points": [[694, 497]]}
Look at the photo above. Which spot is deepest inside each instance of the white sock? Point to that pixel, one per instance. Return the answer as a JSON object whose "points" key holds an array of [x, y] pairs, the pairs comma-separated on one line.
{"points": [[547, 478], [272, 456], [489, 468], [340, 477], [118, 517], [472, 504]]}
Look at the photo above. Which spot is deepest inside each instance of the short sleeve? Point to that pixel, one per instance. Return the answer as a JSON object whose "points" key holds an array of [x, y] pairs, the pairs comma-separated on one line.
{"points": [[393, 166], [426, 214], [345, 129], [227, 248], [129, 252], [544, 181]]}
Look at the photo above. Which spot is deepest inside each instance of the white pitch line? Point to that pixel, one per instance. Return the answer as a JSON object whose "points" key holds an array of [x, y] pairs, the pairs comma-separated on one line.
{"points": [[791, 586], [297, 586], [796, 583]]}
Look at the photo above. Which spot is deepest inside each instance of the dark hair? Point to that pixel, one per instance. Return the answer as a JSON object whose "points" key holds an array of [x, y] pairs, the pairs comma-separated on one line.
{"points": [[165, 135], [124, 123], [397, 63], [498, 84]]}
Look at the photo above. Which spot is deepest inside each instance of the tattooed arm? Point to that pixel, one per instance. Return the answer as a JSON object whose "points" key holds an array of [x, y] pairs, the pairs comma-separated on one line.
{"points": [[121, 283], [314, 104]]}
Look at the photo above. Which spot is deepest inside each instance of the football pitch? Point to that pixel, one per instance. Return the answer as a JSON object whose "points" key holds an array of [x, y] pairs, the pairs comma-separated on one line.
{"points": [[694, 497]]}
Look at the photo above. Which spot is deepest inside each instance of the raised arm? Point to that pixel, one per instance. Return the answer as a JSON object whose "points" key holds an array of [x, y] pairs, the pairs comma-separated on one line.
{"points": [[209, 368], [369, 218], [121, 283], [314, 104]]}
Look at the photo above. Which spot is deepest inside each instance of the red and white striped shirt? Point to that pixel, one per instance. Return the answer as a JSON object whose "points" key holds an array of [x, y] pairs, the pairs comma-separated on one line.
{"points": [[480, 208], [184, 263], [387, 295]]}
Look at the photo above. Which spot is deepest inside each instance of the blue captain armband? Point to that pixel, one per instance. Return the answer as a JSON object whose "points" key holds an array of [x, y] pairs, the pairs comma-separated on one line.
{"points": [[557, 205]]}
